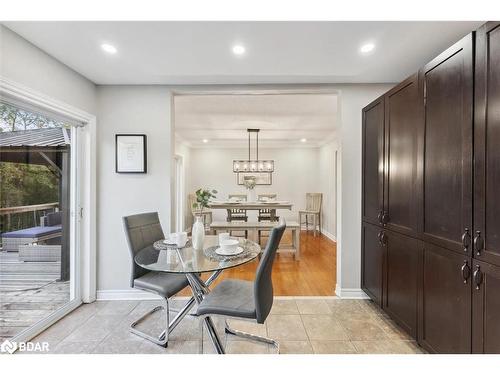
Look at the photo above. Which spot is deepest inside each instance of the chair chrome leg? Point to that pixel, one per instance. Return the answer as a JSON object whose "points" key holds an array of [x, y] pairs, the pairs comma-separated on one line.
{"points": [[180, 315], [251, 336], [162, 339]]}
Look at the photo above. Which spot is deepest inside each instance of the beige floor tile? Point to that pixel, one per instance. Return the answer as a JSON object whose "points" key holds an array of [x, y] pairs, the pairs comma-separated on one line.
{"points": [[361, 330], [286, 327], [284, 307], [391, 329], [75, 348], [332, 347], [323, 327], [370, 306], [387, 347], [117, 308], [312, 306], [95, 329], [348, 309], [246, 347], [294, 347]]}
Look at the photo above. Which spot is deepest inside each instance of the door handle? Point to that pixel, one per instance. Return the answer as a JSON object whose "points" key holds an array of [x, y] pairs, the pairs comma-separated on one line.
{"points": [[478, 242], [466, 239], [478, 277], [465, 271]]}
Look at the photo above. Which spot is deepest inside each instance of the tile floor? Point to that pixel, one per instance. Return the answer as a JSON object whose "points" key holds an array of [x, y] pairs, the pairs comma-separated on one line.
{"points": [[321, 326]]}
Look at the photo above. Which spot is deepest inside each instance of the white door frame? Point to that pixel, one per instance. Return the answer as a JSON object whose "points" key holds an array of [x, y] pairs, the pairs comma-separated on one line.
{"points": [[85, 192], [270, 90]]}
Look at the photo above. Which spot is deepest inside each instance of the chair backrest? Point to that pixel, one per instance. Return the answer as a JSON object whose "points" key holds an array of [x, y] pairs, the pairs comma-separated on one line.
{"points": [[263, 285], [266, 211], [241, 197], [314, 201], [141, 230]]}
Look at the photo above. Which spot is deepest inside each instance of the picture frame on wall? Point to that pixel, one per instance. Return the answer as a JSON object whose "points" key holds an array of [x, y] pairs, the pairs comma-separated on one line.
{"points": [[261, 178], [131, 153]]}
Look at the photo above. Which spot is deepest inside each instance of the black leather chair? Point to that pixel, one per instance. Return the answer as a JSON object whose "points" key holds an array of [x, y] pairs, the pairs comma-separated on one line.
{"points": [[240, 299], [142, 231]]}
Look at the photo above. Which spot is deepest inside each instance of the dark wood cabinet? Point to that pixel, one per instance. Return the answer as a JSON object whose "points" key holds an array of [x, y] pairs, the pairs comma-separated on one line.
{"points": [[447, 84], [486, 308], [445, 306], [486, 234], [402, 261], [373, 262], [373, 159], [403, 148]]}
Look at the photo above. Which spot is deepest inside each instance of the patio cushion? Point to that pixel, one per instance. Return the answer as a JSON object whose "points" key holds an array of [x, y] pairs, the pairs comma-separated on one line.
{"points": [[34, 232]]}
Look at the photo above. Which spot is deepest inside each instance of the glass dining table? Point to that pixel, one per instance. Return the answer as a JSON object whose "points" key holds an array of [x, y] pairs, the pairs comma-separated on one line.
{"points": [[193, 263]]}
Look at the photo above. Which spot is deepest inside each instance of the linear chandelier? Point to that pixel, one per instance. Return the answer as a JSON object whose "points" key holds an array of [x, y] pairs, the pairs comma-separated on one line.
{"points": [[253, 165]]}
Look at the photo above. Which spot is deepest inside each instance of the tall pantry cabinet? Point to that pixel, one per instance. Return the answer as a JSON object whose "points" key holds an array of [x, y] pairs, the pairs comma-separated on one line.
{"points": [[431, 199]]}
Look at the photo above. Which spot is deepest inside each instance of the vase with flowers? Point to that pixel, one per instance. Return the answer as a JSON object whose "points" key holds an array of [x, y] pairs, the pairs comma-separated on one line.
{"points": [[250, 183], [203, 197]]}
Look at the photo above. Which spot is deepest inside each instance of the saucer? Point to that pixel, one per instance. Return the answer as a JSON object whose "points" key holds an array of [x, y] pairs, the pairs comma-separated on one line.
{"points": [[222, 251]]}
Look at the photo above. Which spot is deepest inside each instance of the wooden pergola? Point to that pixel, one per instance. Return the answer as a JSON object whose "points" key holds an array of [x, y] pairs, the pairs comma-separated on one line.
{"points": [[49, 147]]}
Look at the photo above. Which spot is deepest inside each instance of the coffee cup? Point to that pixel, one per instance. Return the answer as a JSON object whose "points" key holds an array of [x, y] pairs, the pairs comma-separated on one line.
{"points": [[223, 237], [181, 239]]}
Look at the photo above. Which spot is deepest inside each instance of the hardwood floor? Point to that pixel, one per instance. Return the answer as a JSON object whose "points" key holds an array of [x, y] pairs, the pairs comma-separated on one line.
{"points": [[313, 275]]}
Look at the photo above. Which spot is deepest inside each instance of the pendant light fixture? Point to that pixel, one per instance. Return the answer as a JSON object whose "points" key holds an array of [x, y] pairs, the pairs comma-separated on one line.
{"points": [[253, 165]]}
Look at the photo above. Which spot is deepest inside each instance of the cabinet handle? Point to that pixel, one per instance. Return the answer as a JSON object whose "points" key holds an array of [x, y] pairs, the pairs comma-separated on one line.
{"points": [[465, 271], [383, 238], [380, 217], [478, 242], [478, 277], [385, 217], [466, 239]]}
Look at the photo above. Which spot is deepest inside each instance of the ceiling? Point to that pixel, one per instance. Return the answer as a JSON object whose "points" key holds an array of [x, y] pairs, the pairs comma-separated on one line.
{"points": [[284, 119], [276, 52]]}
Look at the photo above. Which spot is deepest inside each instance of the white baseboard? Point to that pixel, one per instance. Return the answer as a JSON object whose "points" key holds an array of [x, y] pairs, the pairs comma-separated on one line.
{"points": [[124, 294], [350, 293], [328, 235]]}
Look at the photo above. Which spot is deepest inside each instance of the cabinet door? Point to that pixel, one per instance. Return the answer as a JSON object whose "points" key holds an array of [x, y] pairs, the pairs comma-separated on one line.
{"points": [[403, 142], [485, 308], [373, 161], [487, 141], [372, 262], [445, 306], [448, 91], [402, 262]]}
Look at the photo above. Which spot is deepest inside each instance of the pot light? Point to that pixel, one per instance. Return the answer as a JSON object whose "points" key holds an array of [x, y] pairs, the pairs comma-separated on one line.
{"points": [[366, 48], [239, 50], [108, 48], [303, 140], [205, 141]]}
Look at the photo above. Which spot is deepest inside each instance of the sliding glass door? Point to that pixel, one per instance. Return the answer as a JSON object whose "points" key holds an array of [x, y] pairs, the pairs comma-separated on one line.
{"points": [[38, 220]]}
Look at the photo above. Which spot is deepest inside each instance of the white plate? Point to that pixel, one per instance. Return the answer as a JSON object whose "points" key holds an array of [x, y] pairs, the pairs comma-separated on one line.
{"points": [[220, 251]]}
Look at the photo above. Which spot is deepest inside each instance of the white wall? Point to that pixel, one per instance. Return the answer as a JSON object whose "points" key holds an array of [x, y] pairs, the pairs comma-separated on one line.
{"points": [[129, 109], [181, 149], [296, 172], [327, 184], [25, 64]]}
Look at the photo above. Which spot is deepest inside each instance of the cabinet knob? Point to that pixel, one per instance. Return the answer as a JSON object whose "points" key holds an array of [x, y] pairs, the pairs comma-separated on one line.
{"points": [[385, 217], [379, 217], [478, 243], [466, 239], [465, 271], [478, 277]]}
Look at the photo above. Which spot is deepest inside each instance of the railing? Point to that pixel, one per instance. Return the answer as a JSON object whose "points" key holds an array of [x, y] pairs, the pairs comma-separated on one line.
{"points": [[21, 217]]}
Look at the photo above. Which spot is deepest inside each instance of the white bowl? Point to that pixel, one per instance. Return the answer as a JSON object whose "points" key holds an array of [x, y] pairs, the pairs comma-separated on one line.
{"points": [[229, 244]]}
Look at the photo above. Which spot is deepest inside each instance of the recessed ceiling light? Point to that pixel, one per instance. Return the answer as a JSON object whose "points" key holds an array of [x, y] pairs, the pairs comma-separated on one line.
{"points": [[366, 48], [239, 50], [303, 140], [205, 141], [109, 48]]}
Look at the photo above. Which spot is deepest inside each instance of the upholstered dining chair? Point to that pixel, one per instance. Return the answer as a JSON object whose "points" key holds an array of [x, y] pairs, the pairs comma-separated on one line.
{"points": [[246, 300], [237, 214], [314, 202], [142, 231]]}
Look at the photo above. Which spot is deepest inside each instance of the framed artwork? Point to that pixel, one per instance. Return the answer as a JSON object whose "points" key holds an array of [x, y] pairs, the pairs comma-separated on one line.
{"points": [[261, 178], [131, 153]]}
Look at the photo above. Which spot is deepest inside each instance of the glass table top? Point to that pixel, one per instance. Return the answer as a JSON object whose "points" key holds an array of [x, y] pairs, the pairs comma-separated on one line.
{"points": [[190, 260]]}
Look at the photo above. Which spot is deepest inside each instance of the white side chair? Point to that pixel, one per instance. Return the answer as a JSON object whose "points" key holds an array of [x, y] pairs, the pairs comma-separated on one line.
{"points": [[313, 209]]}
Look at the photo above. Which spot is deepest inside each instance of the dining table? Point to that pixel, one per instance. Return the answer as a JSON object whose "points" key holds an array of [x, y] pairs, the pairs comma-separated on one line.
{"points": [[193, 262], [257, 205]]}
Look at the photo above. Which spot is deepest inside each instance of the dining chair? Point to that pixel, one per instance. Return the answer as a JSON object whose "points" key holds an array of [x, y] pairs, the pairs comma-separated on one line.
{"points": [[237, 214], [142, 230], [266, 214], [313, 208], [245, 300], [207, 214]]}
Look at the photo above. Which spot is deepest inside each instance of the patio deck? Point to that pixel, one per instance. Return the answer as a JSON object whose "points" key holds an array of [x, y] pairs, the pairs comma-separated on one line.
{"points": [[28, 292]]}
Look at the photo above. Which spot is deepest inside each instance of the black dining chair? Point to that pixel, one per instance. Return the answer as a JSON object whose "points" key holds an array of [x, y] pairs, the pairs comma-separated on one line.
{"points": [[247, 300], [142, 231]]}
